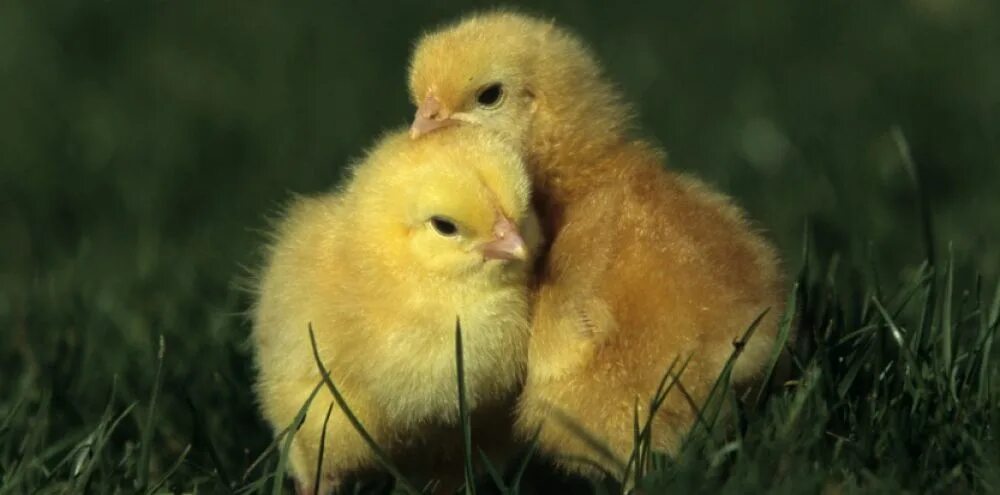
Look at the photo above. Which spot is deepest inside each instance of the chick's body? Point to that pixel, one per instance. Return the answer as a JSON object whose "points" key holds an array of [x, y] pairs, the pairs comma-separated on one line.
{"points": [[644, 265], [381, 280]]}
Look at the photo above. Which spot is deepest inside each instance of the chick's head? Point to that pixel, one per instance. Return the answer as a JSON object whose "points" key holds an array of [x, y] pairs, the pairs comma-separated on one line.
{"points": [[512, 73], [454, 205]]}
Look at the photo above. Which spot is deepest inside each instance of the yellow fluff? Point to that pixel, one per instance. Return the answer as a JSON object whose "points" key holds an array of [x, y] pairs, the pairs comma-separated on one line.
{"points": [[381, 280], [644, 265]]}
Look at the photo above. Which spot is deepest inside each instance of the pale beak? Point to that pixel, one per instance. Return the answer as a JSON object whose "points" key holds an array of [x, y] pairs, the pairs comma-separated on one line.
{"points": [[430, 117], [507, 243]]}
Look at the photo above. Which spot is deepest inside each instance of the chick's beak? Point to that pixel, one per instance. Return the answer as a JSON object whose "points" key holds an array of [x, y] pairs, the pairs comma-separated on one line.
{"points": [[430, 116], [507, 243]]}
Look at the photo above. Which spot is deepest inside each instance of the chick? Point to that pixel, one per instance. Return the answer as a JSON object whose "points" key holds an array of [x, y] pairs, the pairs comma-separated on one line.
{"points": [[424, 232], [644, 265]]}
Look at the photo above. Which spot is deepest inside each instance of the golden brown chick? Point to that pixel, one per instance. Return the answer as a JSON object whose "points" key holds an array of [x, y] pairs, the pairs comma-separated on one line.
{"points": [[424, 232], [644, 266]]}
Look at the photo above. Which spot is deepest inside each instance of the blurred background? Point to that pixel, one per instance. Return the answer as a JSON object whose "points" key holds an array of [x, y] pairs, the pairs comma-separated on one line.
{"points": [[145, 143]]}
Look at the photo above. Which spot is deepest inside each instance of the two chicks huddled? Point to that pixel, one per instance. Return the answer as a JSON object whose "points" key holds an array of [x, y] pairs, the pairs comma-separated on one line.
{"points": [[640, 267]]}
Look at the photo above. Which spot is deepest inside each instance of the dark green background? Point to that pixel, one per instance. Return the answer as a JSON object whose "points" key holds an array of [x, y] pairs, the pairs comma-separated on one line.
{"points": [[143, 145], [132, 126]]}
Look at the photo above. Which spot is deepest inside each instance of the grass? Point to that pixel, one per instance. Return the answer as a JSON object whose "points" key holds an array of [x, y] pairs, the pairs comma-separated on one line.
{"points": [[895, 389], [142, 145]]}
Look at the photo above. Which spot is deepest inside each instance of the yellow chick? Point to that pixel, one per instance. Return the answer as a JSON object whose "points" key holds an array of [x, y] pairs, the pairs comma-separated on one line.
{"points": [[424, 232], [644, 265]]}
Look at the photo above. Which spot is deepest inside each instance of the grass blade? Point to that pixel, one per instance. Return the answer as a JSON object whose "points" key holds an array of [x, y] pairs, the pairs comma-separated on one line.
{"points": [[300, 417], [994, 313], [380, 455], [723, 382], [947, 324], [515, 484], [170, 472], [463, 411], [201, 433], [780, 342], [636, 458], [322, 450], [990, 324], [96, 447], [147, 431], [809, 382], [494, 474], [903, 146], [904, 350], [641, 451]]}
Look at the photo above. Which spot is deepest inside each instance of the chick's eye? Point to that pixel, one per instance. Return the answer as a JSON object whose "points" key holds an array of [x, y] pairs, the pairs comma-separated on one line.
{"points": [[490, 96], [444, 226]]}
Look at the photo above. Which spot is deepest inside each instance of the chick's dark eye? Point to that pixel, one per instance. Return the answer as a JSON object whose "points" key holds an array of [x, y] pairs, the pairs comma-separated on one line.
{"points": [[491, 95], [444, 226]]}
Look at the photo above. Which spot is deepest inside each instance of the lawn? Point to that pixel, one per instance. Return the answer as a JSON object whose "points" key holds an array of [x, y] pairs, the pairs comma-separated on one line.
{"points": [[145, 144]]}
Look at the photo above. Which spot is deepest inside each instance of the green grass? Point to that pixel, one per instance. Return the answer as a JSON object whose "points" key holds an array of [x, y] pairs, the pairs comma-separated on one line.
{"points": [[144, 144], [896, 388]]}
